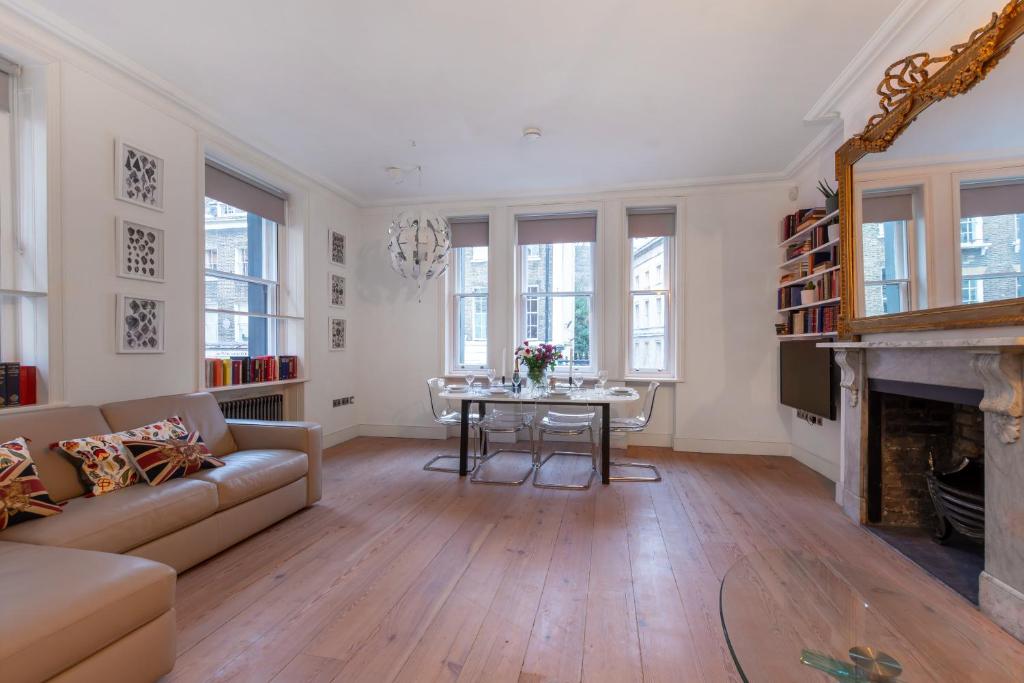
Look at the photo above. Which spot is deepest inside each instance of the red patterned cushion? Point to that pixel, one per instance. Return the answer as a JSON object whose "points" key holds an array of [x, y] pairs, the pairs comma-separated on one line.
{"points": [[160, 461], [22, 494], [102, 463]]}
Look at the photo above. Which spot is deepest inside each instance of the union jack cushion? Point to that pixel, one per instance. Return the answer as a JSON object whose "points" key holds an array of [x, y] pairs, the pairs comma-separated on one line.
{"points": [[22, 494], [163, 460], [171, 428]]}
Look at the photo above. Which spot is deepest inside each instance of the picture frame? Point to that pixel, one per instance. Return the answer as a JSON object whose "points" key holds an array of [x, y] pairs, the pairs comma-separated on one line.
{"points": [[336, 290], [337, 334], [140, 251], [336, 247], [138, 176], [139, 324]]}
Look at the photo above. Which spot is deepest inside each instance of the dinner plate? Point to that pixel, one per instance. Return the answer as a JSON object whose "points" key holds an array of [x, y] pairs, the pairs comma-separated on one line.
{"points": [[457, 388], [497, 391], [621, 391], [559, 392]]}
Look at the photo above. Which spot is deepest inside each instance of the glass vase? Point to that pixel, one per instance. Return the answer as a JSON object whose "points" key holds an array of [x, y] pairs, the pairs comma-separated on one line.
{"points": [[537, 378]]}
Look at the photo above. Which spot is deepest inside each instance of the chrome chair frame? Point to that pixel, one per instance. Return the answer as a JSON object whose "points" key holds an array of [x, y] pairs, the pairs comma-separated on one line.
{"points": [[450, 418], [634, 425], [499, 422], [575, 424]]}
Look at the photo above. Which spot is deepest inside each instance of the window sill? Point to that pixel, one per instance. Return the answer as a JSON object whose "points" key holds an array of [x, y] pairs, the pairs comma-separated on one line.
{"points": [[254, 385], [668, 379], [35, 407]]}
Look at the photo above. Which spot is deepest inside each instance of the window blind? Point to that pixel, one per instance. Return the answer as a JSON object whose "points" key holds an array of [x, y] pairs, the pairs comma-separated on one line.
{"points": [[557, 229], [651, 222], [469, 232], [992, 199], [229, 188], [887, 208]]}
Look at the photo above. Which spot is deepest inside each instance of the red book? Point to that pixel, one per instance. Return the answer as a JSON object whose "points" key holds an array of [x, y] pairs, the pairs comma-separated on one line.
{"points": [[28, 385]]}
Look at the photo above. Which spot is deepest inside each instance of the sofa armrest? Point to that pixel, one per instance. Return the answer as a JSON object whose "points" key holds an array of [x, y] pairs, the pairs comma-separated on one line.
{"points": [[297, 436]]}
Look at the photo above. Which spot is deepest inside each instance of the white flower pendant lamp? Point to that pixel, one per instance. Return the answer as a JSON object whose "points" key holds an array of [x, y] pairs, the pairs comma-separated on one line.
{"points": [[418, 243]]}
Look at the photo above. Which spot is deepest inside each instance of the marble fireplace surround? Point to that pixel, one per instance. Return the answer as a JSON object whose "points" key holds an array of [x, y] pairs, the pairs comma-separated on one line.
{"points": [[993, 364]]}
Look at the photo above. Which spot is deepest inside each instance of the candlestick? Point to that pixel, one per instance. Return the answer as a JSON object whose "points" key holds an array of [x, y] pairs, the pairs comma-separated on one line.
{"points": [[504, 355]]}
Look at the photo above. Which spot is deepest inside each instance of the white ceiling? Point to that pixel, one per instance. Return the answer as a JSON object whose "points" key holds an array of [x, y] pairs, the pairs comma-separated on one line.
{"points": [[628, 93]]}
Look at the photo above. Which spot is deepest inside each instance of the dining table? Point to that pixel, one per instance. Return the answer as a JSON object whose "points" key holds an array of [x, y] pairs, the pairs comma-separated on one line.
{"points": [[602, 398]]}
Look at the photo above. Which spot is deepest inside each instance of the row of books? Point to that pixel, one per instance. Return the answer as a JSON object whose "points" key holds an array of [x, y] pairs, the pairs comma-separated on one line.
{"points": [[814, 238], [17, 385], [223, 372], [827, 287], [801, 220], [818, 320]]}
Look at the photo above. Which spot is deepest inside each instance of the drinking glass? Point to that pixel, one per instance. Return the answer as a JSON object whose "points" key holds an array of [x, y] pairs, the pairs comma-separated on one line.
{"points": [[602, 379], [469, 381], [491, 374]]}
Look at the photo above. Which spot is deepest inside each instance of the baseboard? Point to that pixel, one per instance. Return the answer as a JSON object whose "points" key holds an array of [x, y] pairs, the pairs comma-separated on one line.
{"points": [[404, 431], [1002, 603], [822, 466], [341, 436], [729, 446], [643, 439]]}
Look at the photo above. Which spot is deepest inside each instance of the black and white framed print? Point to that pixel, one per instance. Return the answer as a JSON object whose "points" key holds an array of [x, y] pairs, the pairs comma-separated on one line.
{"points": [[138, 176], [337, 329], [140, 324], [337, 290], [336, 247], [140, 251]]}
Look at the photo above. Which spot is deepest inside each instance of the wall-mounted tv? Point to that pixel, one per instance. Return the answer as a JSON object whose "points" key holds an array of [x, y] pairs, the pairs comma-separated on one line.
{"points": [[807, 378]]}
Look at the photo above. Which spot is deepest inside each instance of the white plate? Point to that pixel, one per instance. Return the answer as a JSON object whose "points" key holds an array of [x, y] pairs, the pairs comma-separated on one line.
{"points": [[497, 391], [559, 392], [620, 391], [457, 388]]}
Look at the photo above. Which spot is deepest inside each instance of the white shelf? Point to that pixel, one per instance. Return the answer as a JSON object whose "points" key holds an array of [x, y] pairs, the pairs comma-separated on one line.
{"points": [[796, 259], [256, 385], [799, 237], [807, 335], [833, 300], [805, 278]]}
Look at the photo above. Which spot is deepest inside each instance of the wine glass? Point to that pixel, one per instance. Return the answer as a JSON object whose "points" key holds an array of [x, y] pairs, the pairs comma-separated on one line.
{"points": [[491, 374], [470, 376], [602, 379]]}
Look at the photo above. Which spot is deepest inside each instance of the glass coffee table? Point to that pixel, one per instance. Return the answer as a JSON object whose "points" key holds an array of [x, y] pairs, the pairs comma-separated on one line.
{"points": [[790, 616]]}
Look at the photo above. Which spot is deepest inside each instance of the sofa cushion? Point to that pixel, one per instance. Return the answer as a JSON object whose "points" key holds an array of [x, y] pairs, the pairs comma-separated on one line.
{"points": [[199, 412], [102, 462], [22, 494], [121, 520], [248, 474], [43, 427], [60, 606], [160, 461]]}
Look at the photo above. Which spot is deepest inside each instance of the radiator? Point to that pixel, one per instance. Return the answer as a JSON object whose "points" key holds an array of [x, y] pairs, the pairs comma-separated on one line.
{"points": [[269, 407]]}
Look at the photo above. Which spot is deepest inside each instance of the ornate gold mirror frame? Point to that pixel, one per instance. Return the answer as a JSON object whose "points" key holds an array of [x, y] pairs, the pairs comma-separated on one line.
{"points": [[907, 89]]}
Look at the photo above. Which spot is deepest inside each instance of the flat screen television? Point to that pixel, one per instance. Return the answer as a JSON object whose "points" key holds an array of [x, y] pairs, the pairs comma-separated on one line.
{"points": [[807, 378]]}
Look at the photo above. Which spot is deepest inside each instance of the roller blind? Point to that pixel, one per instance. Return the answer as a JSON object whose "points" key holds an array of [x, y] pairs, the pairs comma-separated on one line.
{"points": [[557, 229], [888, 208], [651, 222], [469, 232], [992, 199], [245, 195]]}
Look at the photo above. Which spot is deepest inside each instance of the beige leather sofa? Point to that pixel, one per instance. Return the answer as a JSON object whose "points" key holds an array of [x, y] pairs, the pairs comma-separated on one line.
{"points": [[90, 591]]}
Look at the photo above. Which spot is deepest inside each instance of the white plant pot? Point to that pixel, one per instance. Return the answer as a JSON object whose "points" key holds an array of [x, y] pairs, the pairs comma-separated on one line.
{"points": [[808, 296], [833, 232]]}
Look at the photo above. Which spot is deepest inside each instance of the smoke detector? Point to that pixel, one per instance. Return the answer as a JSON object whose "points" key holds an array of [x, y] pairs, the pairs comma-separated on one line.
{"points": [[531, 133]]}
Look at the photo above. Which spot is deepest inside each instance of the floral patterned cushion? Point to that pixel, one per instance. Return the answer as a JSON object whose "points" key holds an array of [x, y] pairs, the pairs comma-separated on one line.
{"points": [[104, 463], [161, 461], [22, 494]]}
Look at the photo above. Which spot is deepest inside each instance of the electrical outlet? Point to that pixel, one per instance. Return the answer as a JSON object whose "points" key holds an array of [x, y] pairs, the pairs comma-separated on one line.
{"points": [[336, 403]]}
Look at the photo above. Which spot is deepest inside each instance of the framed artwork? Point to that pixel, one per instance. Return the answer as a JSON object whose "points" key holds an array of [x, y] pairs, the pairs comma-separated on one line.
{"points": [[140, 324], [140, 251], [336, 247], [337, 328], [138, 176], [337, 290]]}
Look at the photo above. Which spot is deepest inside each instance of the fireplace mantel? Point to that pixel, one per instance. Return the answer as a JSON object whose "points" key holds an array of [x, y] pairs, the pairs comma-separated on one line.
{"points": [[976, 343]]}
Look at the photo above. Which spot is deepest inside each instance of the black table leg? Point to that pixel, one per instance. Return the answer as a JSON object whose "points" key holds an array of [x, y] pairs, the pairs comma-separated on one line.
{"points": [[464, 440], [606, 433], [483, 440]]}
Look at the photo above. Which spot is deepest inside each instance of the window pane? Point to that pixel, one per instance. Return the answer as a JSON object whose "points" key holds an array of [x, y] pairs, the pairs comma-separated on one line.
{"points": [[885, 298], [990, 245], [471, 331], [557, 320], [648, 332], [559, 267], [648, 262], [885, 251], [239, 242], [238, 335], [235, 295], [470, 270]]}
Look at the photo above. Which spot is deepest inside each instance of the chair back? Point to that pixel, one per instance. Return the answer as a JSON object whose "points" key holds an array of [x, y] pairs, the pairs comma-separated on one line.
{"points": [[435, 385], [648, 409]]}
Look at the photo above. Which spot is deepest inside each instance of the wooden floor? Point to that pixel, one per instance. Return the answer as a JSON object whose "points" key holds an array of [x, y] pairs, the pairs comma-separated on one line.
{"points": [[404, 575]]}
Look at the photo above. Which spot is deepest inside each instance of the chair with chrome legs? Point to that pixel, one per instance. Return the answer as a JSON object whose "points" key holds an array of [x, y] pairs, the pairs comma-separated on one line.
{"points": [[562, 423], [503, 419], [633, 425], [444, 415]]}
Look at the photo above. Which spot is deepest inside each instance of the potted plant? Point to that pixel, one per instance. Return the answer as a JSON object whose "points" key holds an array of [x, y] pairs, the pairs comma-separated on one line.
{"points": [[538, 360], [809, 294], [831, 196]]}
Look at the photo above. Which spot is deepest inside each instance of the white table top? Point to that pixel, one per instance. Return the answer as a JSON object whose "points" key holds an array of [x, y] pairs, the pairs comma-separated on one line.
{"points": [[529, 396]]}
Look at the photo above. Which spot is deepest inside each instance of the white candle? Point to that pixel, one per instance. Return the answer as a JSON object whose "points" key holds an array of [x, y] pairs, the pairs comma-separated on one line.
{"points": [[504, 355]]}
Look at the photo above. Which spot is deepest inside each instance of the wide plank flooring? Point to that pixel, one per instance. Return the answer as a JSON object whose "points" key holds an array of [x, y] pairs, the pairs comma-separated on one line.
{"points": [[404, 575]]}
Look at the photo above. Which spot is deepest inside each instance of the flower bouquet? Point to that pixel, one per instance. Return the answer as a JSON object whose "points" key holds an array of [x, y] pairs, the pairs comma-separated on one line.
{"points": [[538, 359]]}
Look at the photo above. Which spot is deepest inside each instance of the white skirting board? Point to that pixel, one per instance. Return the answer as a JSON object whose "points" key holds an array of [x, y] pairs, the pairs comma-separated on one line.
{"points": [[729, 446]]}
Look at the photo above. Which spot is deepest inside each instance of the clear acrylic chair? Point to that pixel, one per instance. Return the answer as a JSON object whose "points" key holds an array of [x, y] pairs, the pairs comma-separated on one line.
{"points": [[444, 415], [636, 424], [566, 422], [504, 419]]}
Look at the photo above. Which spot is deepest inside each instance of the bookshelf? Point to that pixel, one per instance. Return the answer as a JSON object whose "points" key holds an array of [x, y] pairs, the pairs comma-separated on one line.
{"points": [[809, 240]]}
